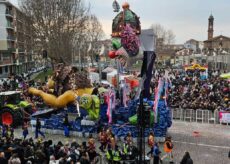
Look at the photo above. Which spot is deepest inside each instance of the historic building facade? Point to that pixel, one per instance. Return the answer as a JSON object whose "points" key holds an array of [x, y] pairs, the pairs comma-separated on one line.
{"points": [[217, 42]]}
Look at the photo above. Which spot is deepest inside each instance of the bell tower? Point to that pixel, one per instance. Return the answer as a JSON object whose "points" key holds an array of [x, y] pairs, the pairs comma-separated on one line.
{"points": [[210, 27]]}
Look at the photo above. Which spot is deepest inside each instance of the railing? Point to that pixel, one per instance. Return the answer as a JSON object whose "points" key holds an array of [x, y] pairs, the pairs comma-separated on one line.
{"points": [[9, 37], [12, 49], [4, 62], [9, 25], [198, 115], [9, 13]]}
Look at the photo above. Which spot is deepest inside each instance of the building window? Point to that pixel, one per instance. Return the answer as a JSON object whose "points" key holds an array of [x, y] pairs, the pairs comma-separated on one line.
{"points": [[6, 69], [0, 70]]}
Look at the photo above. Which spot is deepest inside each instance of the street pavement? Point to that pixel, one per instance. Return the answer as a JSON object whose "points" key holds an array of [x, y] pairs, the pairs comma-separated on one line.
{"points": [[206, 143]]}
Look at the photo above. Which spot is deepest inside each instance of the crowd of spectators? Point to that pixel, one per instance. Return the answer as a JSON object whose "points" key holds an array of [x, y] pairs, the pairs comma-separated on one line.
{"points": [[36, 151], [18, 151], [188, 91]]}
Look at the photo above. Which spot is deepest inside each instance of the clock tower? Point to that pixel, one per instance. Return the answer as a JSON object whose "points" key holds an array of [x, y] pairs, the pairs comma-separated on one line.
{"points": [[210, 27]]}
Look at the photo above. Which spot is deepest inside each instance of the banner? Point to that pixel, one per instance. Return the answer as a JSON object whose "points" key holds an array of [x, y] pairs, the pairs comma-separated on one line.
{"points": [[146, 71], [224, 117]]}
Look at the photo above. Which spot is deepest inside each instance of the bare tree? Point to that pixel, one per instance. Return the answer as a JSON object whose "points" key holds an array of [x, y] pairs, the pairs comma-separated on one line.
{"points": [[56, 23], [170, 37], [94, 33], [167, 35]]}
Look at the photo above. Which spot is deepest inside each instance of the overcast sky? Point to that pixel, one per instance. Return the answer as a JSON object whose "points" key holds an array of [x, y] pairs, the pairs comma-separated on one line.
{"points": [[187, 18]]}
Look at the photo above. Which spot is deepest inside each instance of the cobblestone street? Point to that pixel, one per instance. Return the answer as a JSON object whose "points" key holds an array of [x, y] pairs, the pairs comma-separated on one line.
{"points": [[211, 146]]}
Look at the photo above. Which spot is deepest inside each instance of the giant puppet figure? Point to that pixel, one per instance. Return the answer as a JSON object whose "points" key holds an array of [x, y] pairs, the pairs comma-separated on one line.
{"points": [[125, 30]]}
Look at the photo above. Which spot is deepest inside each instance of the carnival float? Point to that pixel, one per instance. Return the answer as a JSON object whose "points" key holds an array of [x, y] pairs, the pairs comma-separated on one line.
{"points": [[69, 90]]}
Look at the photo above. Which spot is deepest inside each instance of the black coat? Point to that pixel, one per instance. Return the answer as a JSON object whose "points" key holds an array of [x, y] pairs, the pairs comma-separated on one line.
{"points": [[3, 161], [186, 161]]}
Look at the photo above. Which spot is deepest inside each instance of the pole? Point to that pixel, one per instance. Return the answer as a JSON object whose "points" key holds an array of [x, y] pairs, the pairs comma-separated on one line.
{"points": [[99, 67], [140, 129], [118, 74], [79, 54], [73, 54]]}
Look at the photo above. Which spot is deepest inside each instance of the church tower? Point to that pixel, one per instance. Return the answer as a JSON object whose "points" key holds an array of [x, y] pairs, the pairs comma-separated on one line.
{"points": [[210, 27]]}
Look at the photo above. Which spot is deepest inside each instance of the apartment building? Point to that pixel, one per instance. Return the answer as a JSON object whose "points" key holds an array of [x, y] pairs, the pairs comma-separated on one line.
{"points": [[15, 41]]}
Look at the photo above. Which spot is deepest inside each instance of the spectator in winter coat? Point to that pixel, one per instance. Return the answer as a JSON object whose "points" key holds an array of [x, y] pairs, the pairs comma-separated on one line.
{"points": [[156, 153], [38, 129], [186, 159], [3, 160]]}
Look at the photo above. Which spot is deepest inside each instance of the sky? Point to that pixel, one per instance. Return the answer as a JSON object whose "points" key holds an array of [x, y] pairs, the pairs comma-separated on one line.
{"points": [[188, 19]]}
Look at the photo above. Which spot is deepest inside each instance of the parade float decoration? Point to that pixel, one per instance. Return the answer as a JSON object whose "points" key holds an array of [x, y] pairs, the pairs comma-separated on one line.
{"points": [[91, 103], [195, 67], [69, 86], [225, 75], [116, 6], [125, 30], [102, 109], [202, 69], [160, 116], [64, 87], [53, 101]]}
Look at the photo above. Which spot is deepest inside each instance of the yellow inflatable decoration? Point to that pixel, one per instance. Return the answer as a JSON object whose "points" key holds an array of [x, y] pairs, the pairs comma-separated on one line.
{"points": [[81, 92], [50, 83], [195, 66], [49, 99]]}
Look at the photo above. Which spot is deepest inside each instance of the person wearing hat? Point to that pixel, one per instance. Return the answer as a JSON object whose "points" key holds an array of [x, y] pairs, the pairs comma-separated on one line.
{"points": [[168, 147]]}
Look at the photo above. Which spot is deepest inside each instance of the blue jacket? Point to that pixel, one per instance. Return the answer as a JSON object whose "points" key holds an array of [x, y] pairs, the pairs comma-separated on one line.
{"points": [[156, 151]]}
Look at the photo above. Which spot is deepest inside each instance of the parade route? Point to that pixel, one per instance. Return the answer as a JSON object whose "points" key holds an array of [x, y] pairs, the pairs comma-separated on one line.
{"points": [[211, 147]]}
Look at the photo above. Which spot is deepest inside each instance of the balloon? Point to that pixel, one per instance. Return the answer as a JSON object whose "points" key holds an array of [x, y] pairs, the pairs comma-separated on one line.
{"points": [[112, 54]]}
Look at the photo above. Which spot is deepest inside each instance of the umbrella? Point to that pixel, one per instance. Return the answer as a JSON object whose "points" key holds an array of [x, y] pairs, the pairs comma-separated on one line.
{"points": [[225, 75]]}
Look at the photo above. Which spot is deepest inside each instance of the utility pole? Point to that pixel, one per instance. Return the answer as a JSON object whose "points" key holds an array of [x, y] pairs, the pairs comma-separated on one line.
{"points": [[99, 67], [118, 74], [79, 54]]}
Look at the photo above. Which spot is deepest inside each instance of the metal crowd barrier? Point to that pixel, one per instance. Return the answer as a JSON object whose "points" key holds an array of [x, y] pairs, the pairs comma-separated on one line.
{"points": [[198, 115]]}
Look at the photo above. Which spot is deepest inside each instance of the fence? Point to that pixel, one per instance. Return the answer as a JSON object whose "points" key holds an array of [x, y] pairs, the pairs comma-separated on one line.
{"points": [[198, 115]]}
